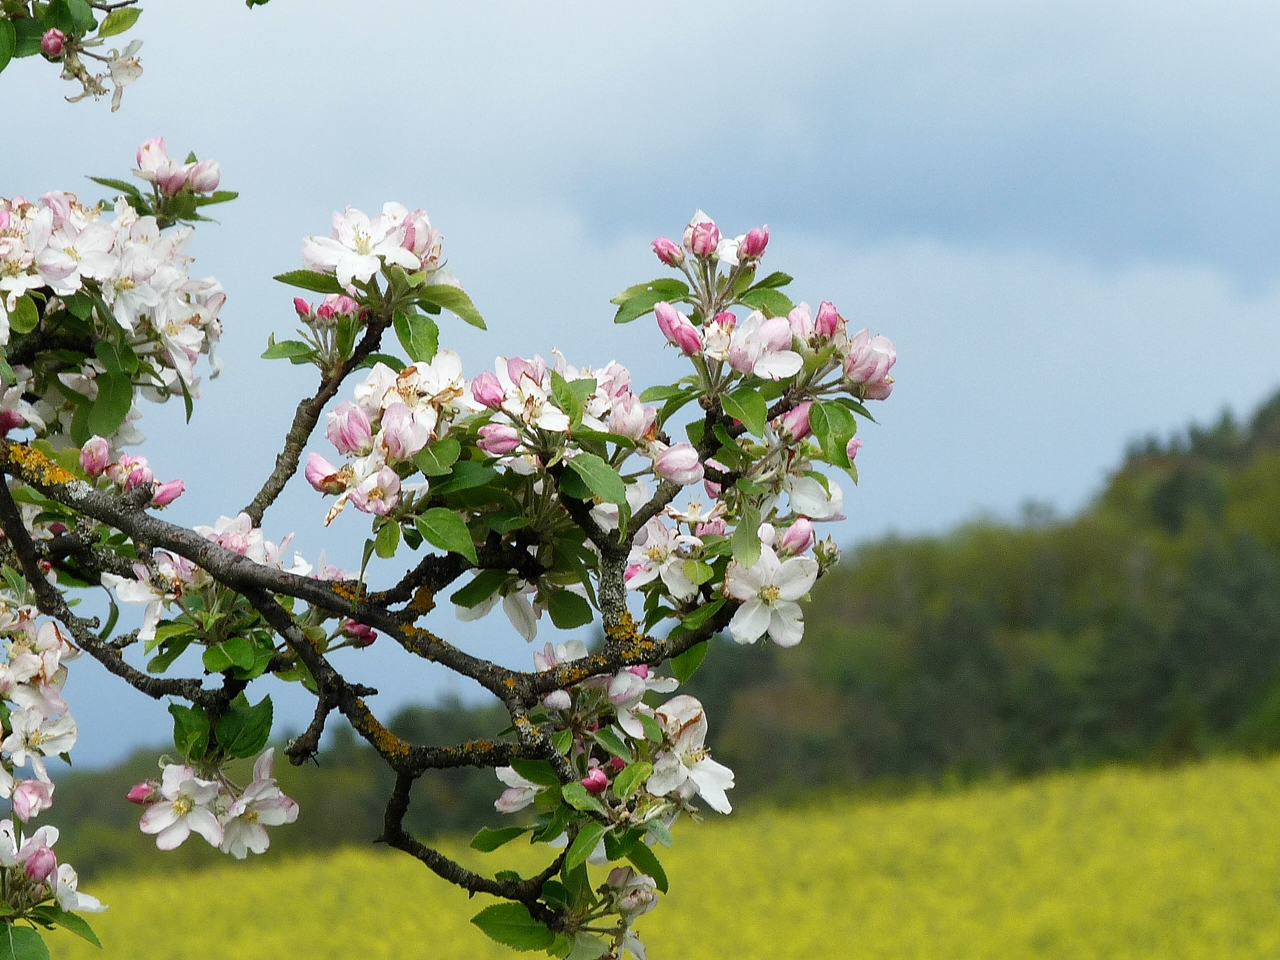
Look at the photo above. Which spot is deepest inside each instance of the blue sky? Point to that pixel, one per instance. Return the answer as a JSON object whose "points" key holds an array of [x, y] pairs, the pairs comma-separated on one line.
{"points": [[1065, 215]]}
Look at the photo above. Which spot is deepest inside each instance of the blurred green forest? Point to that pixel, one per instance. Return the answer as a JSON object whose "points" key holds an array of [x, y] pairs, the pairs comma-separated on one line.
{"points": [[1146, 629]]}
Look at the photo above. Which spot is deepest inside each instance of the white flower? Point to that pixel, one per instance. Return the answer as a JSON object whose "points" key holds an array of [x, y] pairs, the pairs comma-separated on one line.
{"points": [[359, 245], [516, 605], [763, 347], [261, 805], [809, 498], [526, 388], [687, 768], [34, 736], [185, 808], [658, 553], [139, 591], [519, 793], [70, 899], [769, 591], [125, 68]]}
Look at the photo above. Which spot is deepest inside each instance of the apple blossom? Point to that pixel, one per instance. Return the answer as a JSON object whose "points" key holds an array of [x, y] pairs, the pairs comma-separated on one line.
{"points": [[95, 456], [658, 554], [852, 447], [69, 897], [167, 492], [687, 768], [768, 591], [763, 347], [869, 359], [349, 429], [498, 439], [797, 538], [701, 236], [676, 327], [668, 251], [679, 464], [183, 809], [751, 247], [828, 321], [596, 781], [795, 422], [519, 793], [51, 43], [205, 176]]}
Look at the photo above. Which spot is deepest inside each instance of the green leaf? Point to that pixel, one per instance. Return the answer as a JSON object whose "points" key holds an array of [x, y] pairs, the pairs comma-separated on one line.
{"points": [[775, 279], [240, 651], [76, 924], [218, 196], [834, 426], [568, 610], [659, 833], [29, 34], [108, 412], [651, 729], [22, 943], [584, 843], [566, 399], [310, 280], [513, 926], [770, 301], [480, 589], [600, 478], [635, 302], [465, 475], [487, 840], [608, 738], [243, 730], [8, 41], [287, 350], [58, 15], [747, 406], [587, 947], [395, 363], [698, 572], [646, 862], [663, 393], [578, 797], [118, 21], [445, 529], [190, 731], [116, 357], [387, 542], [686, 664], [419, 335], [746, 538], [82, 15], [454, 300], [216, 659], [438, 459], [25, 317], [537, 771], [631, 777]]}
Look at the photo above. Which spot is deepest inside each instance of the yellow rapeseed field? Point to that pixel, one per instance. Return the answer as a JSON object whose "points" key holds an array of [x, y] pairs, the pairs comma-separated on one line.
{"points": [[1115, 864]]}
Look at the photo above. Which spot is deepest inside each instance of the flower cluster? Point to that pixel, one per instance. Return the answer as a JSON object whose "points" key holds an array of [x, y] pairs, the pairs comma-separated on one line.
{"points": [[114, 276], [37, 724], [228, 817], [360, 246]]}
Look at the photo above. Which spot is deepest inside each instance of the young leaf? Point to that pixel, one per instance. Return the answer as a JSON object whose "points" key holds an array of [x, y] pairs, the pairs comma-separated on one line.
{"points": [[445, 529], [775, 279], [108, 412], [746, 539], [511, 925], [76, 924], [487, 840], [578, 797], [118, 21], [628, 781], [566, 399], [25, 317], [465, 475], [287, 350], [480, 589], [419, 335], [244, 730], [635, 302], [568, 610], [746, 405], [601, 478], [537, 771], [698, 572], [584, 843], [454, 300], [438, 459], [387, 542], [116, 357], [22, 943], [610, 740], [684, 665], [772, 302], [646, 862], [310, 280], [190, 730], [8, 42], [29, 33]]}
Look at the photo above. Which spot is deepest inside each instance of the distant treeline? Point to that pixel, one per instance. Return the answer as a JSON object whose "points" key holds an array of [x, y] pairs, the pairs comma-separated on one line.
{"points": [[1147, 629]]}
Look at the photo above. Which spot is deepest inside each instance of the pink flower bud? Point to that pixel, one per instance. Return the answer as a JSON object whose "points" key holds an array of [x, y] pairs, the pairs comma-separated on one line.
{"points": [[798, 537], [852, 447], [487, 390], [616, 764], [641, 670], [701, 236], [713, 488], [131, 472], [869, 358], [596, 782], [95, 456], [41, 865], [677, 328], [31, 798], [753, 244], [801, 321], [172, 178], [51, 43], [303, 308], [323, 475], [205, 176], [168, 492], [796, 421], [337, 305], [361, 635], [631, 418], [402, 435], [828, 320], [679, 464], [879, 390], [498, 439], [558, 700], [716, 527], [668, 251], [151, 155], [11, 420], [143, 793], [349, 430]]}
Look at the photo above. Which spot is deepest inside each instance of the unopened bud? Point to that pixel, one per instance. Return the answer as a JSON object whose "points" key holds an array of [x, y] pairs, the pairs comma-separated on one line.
{"points": [[753, 244], [668, 251], [596, 782], [143, 793], [205, 176], [51, 43], [168, 492]]}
